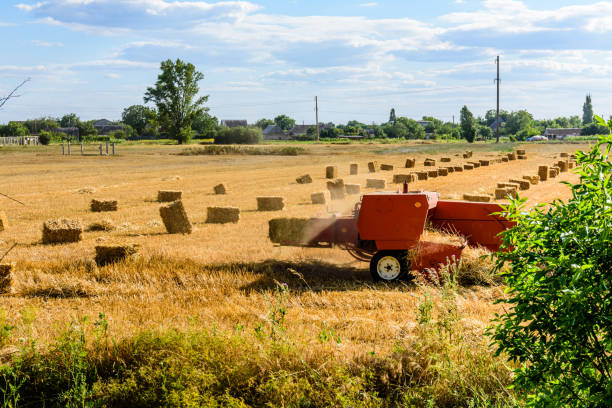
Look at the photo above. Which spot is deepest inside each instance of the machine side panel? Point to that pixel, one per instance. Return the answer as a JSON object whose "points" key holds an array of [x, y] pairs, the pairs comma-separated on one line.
{"points": [[393, 221], [475, 221]]}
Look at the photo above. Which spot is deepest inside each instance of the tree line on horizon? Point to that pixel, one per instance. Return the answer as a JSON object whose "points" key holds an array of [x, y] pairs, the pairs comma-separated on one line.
{"points": [[179, 113]]}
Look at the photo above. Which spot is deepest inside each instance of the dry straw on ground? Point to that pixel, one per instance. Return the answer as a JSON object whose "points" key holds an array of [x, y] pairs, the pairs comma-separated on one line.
{"points": [[404, 178], [109, 254], [61, 231], [102, 225], [410, 163], [386, 167], [543, 173], [220, 189], [376, 183], [331, 172], [3, 221], [167, 196], [287, 230], [318, 198], [353, 188], [354, 169], [222, 215], [6, 277], [477, 197], [103, 205], [175, 218], [270, 203], [523, 184], [305, 179], [336, 189]]}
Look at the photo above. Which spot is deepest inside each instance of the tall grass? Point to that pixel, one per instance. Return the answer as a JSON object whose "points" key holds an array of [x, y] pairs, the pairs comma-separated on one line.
{"points": [[240, 150]]}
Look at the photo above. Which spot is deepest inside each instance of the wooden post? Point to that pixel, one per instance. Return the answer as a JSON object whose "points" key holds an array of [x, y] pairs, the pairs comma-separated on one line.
{"points": [[107, 147], [81, 148], [69, 148], [113, 145], [100, 149], [63, 153]]}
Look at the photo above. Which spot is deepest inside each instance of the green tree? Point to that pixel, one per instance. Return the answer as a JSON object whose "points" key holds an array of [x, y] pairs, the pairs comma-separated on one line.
{"points": [[70, 120], [284, 122], [392, 116], [485, 132], [264, 123], [413, 129], [468, 125], [587, 111], [205, 125], [557, 322], [395, 130], [175, 96], [517, 121], [137, 116]]}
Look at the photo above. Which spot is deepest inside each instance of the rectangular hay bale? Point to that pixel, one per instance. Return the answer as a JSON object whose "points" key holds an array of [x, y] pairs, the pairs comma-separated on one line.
{"points": [[468, 166], [429, 163], [318, 197], [442, 172], [475, 164], [270, 203], [353, 188], [512, 156], [61, 231], [220, 189], [532, 179], [336, 189], [410, 163], [504, 160], [520, 152], [109, 254], [422, 175], [386, 167], [175, 218], [331, 172], [103, 205], [543, 173], [222, 215], [563, 154], [287, 230], [6, 277], [450, 169], [404, 178], [376, 183], [484, 162], [305, 179], [504, 192], [523, 184], [458, 169], [563, 166], [445, 159], [168, 196], [3, 221], [372, 166], [477, 197], [432, 173], [354, 169]]}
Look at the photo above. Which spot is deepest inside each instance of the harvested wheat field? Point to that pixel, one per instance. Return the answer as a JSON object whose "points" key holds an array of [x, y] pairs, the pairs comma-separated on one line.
{"points": [[231, 276]]}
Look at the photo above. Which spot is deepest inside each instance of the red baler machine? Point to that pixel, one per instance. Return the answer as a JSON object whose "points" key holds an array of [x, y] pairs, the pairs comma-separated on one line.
{"points": [[386, 229]]}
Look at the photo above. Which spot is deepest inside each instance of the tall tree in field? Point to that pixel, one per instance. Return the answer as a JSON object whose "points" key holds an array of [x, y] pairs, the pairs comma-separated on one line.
{"points": [[175, 96], [284, 122], [392, 116], [468, 125], [587, 111]]}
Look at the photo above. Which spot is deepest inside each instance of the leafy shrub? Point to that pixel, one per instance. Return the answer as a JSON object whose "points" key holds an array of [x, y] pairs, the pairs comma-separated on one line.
{"points": [[594, 129], [44, 137], [557, 323], [238, 135], [223, 150]]}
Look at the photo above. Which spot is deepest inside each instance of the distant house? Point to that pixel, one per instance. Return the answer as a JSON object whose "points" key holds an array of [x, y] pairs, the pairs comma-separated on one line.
{"points": [[105, 126], [561, 133], [274, 132], [234, 123], [299, 130]]}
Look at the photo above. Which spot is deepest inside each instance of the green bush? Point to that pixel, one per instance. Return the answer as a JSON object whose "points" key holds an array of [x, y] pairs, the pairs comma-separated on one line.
{"points": [[557, 322], [238, 135], [44, 137], [594, 129]]}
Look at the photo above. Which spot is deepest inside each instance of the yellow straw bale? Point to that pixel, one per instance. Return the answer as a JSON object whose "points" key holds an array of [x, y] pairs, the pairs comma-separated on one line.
{"points": [[270, 203], [404, 178], [287, 230], [543, 173], [220, 189], [442, 172], [318, 197], [336, 189], [3, 221], [103, 205], [354, 169], [429, 162], [305, 179], [468, 166], [331, 172], [222, 215], [376, 183], [484, 162], [386, 167], [168, 196], [372, 166], [6, 277], [422, 175], [523, 184], [109, 254], [445, 159], [432, 173], [532, 179], [410, 163], [520, 152], [458, 169], [353, 188], [512, 156], [175, 218], [61, 231], [477, 197], [504, 192]]}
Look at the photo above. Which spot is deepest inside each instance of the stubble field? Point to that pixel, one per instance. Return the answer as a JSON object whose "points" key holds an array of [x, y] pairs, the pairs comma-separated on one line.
{"points": [[231, 278]]}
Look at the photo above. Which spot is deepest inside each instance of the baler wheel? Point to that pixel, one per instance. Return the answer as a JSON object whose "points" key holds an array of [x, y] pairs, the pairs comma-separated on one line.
{"points": [[389, 266]]}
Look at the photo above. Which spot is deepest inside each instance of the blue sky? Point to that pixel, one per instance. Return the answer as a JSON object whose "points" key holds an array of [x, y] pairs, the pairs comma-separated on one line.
{"points": [[263, 58]]}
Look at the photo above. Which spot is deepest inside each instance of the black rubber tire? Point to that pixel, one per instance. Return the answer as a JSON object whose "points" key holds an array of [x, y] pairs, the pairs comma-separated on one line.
{"points": [[399, 261]]}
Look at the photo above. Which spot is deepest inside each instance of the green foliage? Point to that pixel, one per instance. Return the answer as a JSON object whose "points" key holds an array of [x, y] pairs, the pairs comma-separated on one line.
{"points": [[14, 129], [137, 116], [238, 135], [205, 125], [595, 128], [413, 129], [37, 125], [284, 122], [175, 96], [557, 321], [395, 130], [468, 124], [485, 132], [264, 123], [223, 150], [45, 137], [518, 121], [70, 120], [587, 111]]}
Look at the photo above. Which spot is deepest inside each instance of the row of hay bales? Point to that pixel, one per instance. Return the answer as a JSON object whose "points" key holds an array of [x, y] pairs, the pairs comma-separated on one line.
{"points": [[510, 188]]}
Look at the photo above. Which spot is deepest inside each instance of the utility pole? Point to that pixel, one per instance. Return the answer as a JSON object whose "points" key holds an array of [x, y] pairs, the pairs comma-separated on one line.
{"points": [[317, 115], [497, 117]]}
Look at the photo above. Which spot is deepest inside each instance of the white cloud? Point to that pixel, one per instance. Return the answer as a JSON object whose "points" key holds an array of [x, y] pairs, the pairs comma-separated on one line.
{"points": [[40, 43], [370, 4], [112, 75]]}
